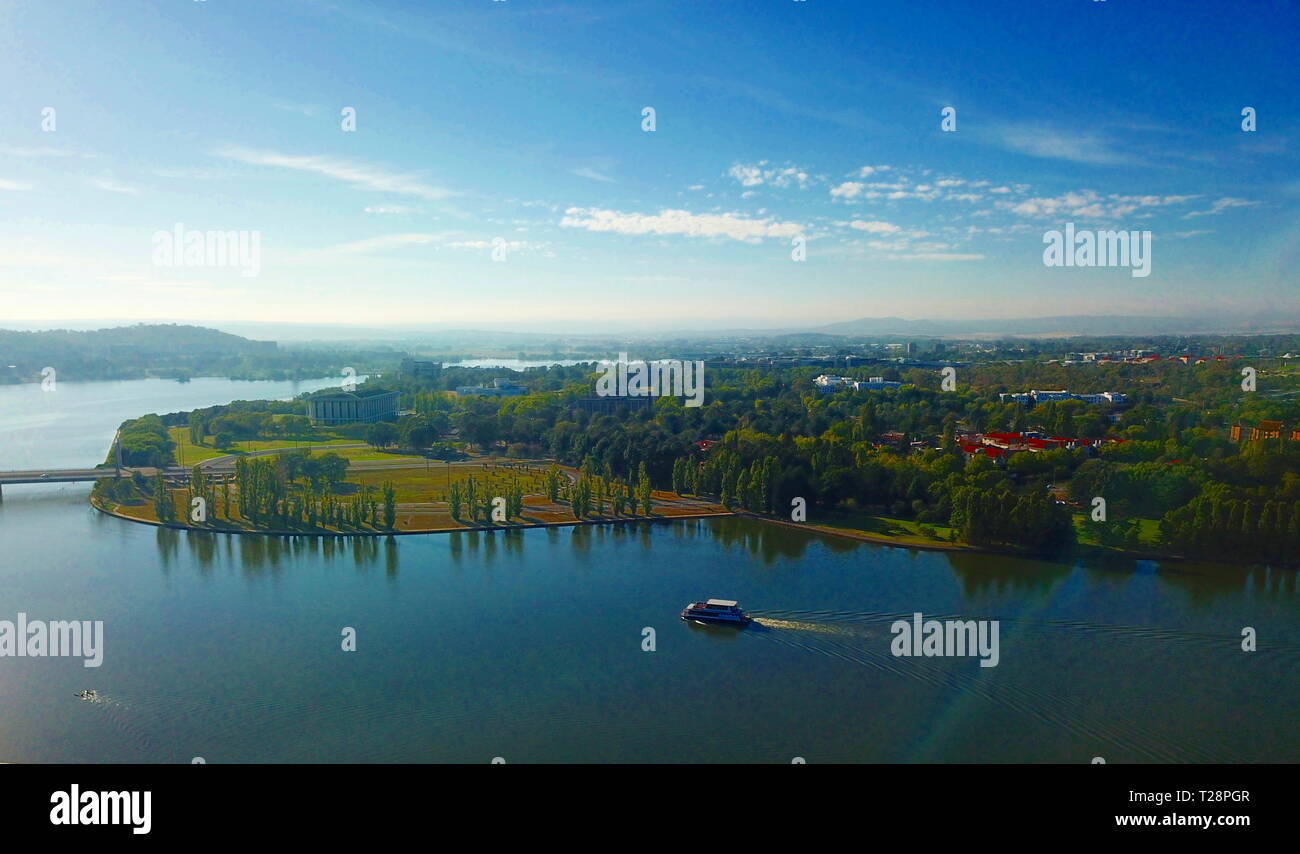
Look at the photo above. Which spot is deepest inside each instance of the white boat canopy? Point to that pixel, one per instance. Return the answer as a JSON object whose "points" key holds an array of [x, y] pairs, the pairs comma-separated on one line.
{"points": [[721, 603]]}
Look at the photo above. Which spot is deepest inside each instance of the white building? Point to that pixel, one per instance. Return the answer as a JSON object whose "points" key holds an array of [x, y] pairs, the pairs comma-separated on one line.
{"points": [[830, 384]]}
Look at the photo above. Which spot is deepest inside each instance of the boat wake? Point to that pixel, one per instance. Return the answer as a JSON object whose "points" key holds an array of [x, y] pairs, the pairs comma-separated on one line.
{"points": [[839, 635], [808, 626]]}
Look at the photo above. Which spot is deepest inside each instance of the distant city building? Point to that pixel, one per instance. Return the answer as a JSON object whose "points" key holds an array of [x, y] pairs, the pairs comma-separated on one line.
{"points": [[352, 407], [1036, 397], [611, 405], [1263, 430], [499, 388], [830, 384], [415, 369], [875, 383], [997, 444]]}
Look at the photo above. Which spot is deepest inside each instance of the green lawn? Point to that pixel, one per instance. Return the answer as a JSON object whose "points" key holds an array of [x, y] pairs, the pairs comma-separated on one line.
{"points": [[369, 454], [191, 453], [1086, 531], [885, 527]]}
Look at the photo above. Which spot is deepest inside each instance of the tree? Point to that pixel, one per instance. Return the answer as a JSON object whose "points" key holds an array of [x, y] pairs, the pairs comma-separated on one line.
{"points": [[326, 470], [390, 505], [643, 490], [198, 426], [454, 498], [478, 429], [581, 502], [553, 483], [381, 434], [471, 498], [415, 433], [163, 506]]}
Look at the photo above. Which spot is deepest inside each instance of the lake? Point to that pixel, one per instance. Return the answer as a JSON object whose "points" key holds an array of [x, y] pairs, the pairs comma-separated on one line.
{"points": [[528, 645]]}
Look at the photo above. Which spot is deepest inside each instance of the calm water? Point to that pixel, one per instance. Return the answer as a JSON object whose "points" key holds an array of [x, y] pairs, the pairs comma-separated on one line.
{"points": [[73, 424], [527, 645]]}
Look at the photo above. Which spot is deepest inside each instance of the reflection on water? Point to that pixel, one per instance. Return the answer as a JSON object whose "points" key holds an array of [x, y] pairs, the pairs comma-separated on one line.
{"points": [[527, 643], [258, 554], [984, 575], [979, 575]]}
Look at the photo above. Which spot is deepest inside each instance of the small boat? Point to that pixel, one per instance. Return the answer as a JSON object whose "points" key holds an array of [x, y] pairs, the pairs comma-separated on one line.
{"points": [[720, 611], [89, 694]]}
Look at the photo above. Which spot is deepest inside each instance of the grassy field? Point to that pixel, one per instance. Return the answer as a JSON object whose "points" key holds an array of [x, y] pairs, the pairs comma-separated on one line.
{"points": [[370, 455], [901, 531], [1085, 531], [422, 490], [431, 483], [192, 454]]}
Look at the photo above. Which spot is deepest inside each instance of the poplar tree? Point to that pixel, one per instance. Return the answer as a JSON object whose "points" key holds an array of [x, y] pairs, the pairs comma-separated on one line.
{"points": [[390, 505]]}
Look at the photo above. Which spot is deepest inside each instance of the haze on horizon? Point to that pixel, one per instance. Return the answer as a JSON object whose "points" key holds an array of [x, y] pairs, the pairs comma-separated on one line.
{"points": [[519, 126]]}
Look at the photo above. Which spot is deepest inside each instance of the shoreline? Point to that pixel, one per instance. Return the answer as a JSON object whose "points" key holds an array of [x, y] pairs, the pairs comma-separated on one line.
{"points": [[514, 526], [1080, 551], [869, 538]]}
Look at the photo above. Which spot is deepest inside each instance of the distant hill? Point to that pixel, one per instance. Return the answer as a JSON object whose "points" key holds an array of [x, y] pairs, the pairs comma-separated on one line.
{"points": [[155, 339], [158, 350], [1090, 325]]}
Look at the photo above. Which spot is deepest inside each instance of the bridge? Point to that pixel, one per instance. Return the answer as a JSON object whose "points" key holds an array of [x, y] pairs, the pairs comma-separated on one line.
{"points": [[82, 475], [58, 475]]}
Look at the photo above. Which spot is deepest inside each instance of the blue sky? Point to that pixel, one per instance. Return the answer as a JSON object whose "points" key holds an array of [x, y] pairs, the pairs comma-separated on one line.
{"points": [[519, 124]]}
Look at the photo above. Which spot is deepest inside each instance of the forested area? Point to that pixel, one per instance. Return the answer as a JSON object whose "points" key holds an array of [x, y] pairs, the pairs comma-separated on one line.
{"points": [[765, 437]]}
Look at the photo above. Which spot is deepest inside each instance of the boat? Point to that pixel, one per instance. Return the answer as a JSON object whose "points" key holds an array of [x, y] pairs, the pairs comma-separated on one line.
{"points": [[719, 611]]}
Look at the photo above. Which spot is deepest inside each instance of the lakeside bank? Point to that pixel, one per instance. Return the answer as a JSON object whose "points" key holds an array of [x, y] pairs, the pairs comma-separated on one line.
{"points": [[100, 505]]}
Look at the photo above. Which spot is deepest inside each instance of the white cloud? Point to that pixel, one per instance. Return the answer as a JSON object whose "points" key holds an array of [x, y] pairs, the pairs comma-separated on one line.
{"points": [[748, 176], [753, 175], [875, 226], [1088, 203], [1220, 206], [508, 245], [359, 175], [679, 222], [847, 190], [1050, 143], [13, 185], [584, 172], [112, 186]]}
